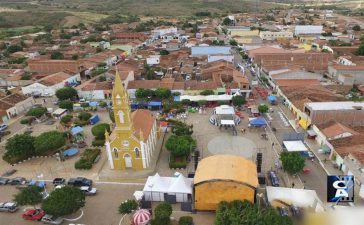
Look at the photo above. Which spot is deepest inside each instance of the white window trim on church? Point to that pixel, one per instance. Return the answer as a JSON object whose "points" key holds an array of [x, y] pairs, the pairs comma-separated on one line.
{"points": [[109, 156]]}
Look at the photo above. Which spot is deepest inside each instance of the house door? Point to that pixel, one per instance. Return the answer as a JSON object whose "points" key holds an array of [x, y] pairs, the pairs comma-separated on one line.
{"points": [[128, 162]]}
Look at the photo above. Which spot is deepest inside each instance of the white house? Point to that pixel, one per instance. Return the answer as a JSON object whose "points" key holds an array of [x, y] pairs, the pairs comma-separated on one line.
{"points": [[14, 105], [213, 58], [153, 59], [160, 31], [48, 85], [270, 35], [307, 29]]}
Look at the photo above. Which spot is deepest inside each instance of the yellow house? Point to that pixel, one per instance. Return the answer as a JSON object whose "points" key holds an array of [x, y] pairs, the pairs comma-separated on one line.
{"points": [[244, 33], [132, 142]]}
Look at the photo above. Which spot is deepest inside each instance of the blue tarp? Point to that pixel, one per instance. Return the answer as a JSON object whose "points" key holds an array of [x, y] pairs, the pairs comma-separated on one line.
{"points": [[76, 130], [177, 98], [93, 104], [94, 119], [258, 122], [155, 104], [70, 152], [272, 98], [38, 183]]}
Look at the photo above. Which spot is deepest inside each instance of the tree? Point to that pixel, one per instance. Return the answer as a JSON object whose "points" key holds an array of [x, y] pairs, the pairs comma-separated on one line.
{"points": [[64, 201], [111, 115], [14, 48], [186, 102], [37, 112], [143, 94], [226, 21], [360, 50], [292, 162], [164, 52], [180, 146], [31, 195], [48, 142], [18, 148], [233, 42], [66, 104], [128, 206], [66, 119], [238, 100], [84, 116], [57, 55], [163, 212], [66, 93], [163, 93], [75, 57], [356, 27], [262, 108], [207, 92], [99, 130]]}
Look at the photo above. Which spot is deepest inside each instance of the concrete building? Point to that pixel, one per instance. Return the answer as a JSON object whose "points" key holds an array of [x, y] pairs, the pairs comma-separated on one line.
{"points": [[48, 85], [346, 113], [13, 105], [355, 71], [271, 35], [307, 29]]}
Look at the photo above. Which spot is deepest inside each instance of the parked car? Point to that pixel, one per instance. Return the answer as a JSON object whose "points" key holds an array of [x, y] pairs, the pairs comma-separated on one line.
{"points": [[8, 173], [273, 178], [3, 180], [33, 214], [88, 190], [3, 127], [80, 181], [38, 183], [296, 211], [18, 181], [283, 211], [49, 219], [8, 207], [59, 181]]}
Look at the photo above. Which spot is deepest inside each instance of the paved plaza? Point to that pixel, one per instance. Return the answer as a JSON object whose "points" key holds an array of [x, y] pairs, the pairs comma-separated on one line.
{"points": [[232, 145]]}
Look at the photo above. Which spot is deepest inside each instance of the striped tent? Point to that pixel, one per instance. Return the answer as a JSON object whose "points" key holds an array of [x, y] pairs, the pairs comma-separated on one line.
{"points": [[141, 217]]}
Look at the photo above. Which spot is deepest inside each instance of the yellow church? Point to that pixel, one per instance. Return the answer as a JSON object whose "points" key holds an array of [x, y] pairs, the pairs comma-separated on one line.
{"points": [[133, 141]]}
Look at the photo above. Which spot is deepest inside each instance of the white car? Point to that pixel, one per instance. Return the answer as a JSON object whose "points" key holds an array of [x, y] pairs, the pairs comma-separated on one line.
{"points": [[8, 207], [88, 190], [49, 219]]}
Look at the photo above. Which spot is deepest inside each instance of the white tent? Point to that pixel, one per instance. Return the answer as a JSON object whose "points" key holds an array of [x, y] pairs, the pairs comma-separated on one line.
{"points": [[297, 197], [224, 110], [196, 98], [295, 146], [156, 187]]}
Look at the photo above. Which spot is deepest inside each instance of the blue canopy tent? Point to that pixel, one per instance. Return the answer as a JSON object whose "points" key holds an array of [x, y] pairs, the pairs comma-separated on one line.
{"points": [[93, 104], [154, 105], [76, 130], [177, 98], [70, 152], [258, 122], [272, 99], [94, 119]]}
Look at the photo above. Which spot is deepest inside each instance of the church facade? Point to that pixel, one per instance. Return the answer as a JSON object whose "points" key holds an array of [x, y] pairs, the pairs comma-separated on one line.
{"points": [[133, 141]]}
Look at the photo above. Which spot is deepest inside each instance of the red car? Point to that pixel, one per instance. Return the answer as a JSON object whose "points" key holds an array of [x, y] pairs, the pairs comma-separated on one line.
{"points": [[33, 214]]}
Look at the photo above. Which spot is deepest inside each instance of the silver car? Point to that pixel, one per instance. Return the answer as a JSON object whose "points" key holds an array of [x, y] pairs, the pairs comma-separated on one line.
{"points": [[88, 190], [3, 180], [8, 207], [49, 219]]}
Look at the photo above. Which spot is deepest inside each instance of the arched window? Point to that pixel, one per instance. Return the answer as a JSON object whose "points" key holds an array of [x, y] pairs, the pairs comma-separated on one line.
{"points": [[116, 153], [137, 152], [121, 116]]}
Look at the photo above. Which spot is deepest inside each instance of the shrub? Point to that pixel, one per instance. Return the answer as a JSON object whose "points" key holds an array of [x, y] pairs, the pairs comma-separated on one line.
{"points": [[128, 206], [66, 104], [185, 220], [24, 121], [81, 123], [207, 92], [87, 159], [83, 164], [66, 119], [48, 142], [102, 104], [180, 145], [85, 104], [84, 116], [163, 211], [98, 143], [37, 112], [181, 164]]}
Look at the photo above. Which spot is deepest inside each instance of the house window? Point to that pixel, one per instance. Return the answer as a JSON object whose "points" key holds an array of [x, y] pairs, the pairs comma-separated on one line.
{"points": [[116, 153], [137, 153]]}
